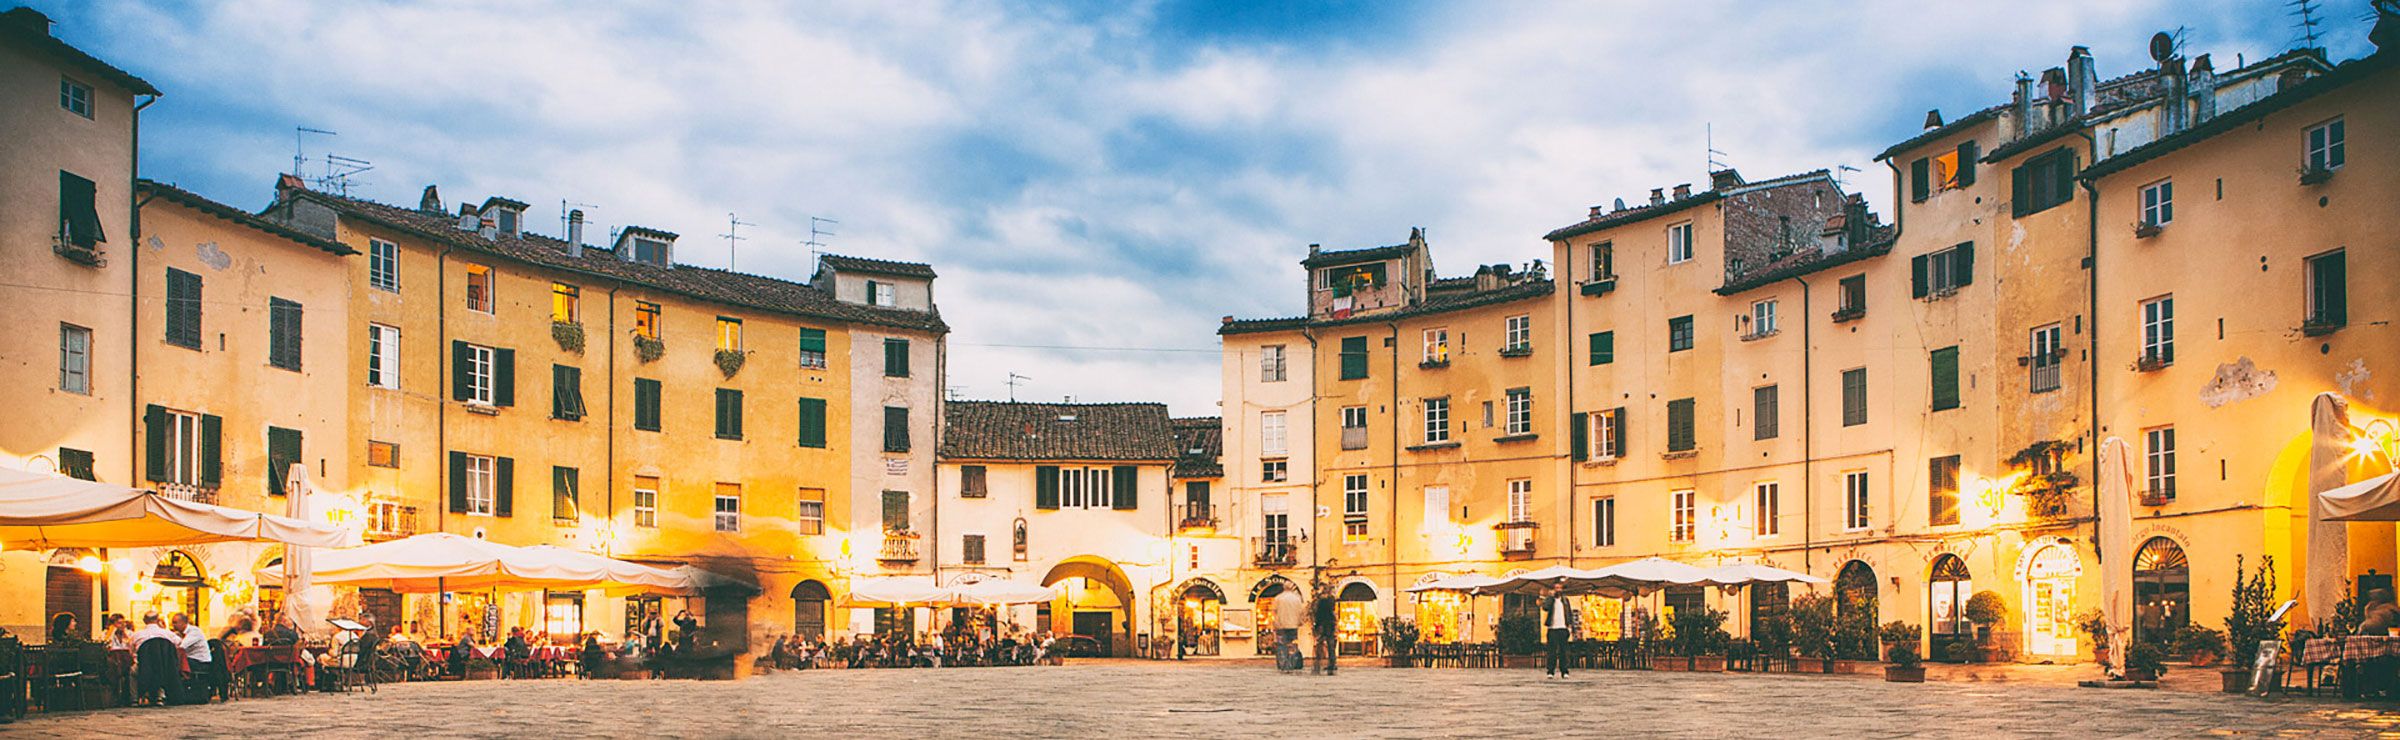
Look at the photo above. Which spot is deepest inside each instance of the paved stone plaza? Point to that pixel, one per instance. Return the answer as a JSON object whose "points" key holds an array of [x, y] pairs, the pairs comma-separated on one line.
{"points": [[1143, 699]]}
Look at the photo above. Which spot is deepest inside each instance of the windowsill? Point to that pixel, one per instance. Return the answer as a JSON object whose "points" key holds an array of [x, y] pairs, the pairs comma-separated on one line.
{"points": [[1514, 438], [1679, 455], [1939, 295], [1601, 462], [1939, 409], [566, 418], [1755, 336], [1517, 352], [1433, 364], [558, 522], [2320, 328], [729, 439], [1849, 314], [1600, 287], [1429, 446], [480, 408]]}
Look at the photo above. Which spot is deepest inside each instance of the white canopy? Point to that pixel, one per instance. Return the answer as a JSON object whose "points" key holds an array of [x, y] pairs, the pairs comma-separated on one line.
{"points": [[440, 561], [620, 577], [39, 511], [1573, 580], [2375, 499], [1463, 582], [999, 592], [893, 592], [2116, 492], [1756, 573]]}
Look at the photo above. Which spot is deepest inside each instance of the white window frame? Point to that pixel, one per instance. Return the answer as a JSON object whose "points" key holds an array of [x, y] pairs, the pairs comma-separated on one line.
{"points": [[1762, 318], [383, 265], [1684, 527], [2045, 353], [645, 505], [1604, 434], [1274, 471], [881, 293], [2158, 329], [1271, 364], [1354, 508], [1767, 509], [808, 514], [480, 378], [2325, 144], [1679, 243], [1437, 508], [1437, 420], [1520, 500], [1354, 417], [1604, 261], [383, 356], [1941, 277], [1437, 346], [2158, 203], [1274, 434], [491, 289], [1855, 505], [483, 492], [1604, 521], [728, 518], [2158, 458], [1520, 333], [1520, 412], [74, 359], [74, 97], [183, 447]]}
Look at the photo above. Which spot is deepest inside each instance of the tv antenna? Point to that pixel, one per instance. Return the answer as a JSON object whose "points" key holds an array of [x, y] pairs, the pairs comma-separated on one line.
{"points": [[733, 228], [338, 171], [300, 146], [1710, 130], [1837, 174], [563, 207], [1015, 380], [817, 232], [2306, 12]]}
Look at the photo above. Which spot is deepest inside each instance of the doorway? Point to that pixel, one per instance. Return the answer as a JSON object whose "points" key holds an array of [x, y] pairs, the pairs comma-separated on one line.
{"points": [[1199, 607], [2162, 590], [808, 609], [1098, 626], [1947, 592], [2049, 577]]}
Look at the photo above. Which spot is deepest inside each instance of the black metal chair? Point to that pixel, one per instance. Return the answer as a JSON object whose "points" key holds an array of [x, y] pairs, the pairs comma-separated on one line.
{"points": [[157, 670], [12, 678]]}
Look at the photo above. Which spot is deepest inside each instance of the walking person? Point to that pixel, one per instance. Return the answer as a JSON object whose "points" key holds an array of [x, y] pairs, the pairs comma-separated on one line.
{"points": [[1558, 614], [1325, 624], [1289, 609]]}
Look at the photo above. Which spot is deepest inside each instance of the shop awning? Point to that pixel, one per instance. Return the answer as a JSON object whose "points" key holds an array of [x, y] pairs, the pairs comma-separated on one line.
{"points": [[42, 511], [999, 592], [2375, 499], [440, 561], [894, 592]]}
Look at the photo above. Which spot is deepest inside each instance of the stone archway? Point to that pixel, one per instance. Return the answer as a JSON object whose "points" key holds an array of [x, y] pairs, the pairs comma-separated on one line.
{"points": [[808, 609], [1097, 602]]}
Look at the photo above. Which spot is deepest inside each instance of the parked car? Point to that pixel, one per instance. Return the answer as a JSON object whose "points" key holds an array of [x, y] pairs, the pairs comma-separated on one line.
{"points": [[1078, 646]]}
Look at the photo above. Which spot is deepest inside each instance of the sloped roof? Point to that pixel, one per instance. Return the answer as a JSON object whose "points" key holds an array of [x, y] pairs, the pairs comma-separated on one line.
{"points": [[1008, 430], [28, 28], [202, 204], [846, 263], [702, 283], [1199, 447], [2345, 74], [1437, 302], [1348, 256]]}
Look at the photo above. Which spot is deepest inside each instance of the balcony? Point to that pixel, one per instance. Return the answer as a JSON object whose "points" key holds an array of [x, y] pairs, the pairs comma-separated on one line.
{"points": [[1516, 538], [1758, 334], [1600, 287], [76, 253], [1198, 517], [899, 546], [1849, 313], [189, 492], [390, 521], [2044, 378], [1273, 552]]}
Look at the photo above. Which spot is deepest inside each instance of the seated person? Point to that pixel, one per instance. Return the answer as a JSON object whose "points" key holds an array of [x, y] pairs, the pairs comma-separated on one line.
{"points": [[66, 630], [282, 633], [2381, 616]]}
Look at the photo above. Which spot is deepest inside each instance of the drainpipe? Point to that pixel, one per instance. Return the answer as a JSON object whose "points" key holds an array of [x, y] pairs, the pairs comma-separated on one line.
{"points": [[441, 407], [1808, 430], [1316, 544], [133, 335], [2091, 257], [610, 546], [1394, 481]]}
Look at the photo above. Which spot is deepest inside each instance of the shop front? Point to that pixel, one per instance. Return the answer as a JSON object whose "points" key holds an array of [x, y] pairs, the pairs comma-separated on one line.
{"points": [[2048, 571], [1262, 611], [1356, 629], [1200, 606]]}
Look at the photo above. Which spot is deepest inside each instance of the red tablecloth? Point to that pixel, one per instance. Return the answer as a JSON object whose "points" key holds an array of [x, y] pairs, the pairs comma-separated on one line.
{"points": [[244, 658]]}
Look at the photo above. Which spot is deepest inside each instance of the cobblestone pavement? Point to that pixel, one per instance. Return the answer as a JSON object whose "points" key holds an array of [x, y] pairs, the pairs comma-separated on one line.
{"points": [[1218, 699]]}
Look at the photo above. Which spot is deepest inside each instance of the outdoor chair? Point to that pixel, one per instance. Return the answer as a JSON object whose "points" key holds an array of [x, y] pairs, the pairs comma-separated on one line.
{"points": [[68, 671], [157, 671], [12, 677], [2309, 672], [216, 679]]}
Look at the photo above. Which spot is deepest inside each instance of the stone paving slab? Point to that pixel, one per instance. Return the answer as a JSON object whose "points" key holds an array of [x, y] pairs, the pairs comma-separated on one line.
{"points": [[1244, 699]]}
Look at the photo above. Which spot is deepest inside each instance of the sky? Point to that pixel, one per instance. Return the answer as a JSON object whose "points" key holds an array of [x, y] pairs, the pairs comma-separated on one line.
{"points": [[1096, 181]]}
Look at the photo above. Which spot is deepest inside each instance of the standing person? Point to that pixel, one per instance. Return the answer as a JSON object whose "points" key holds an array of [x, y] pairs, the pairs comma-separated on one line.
{"points": [[1558, 614], [1326, 623], [1288, 611]]}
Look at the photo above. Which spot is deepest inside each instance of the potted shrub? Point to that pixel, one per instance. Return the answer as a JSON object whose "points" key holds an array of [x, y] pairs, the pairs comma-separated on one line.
{"points": [[568, 335], [1812, 631], [1854, 641], [1771, 635], [648, 349], [2145, 661], [1900, 648], [2094, 626], [1960, 652], [1520, 637], [1700, 638], [481, 668], [2200, 645], [1986, 611], [729, 361], [1399, 641], [2246, 622], [2145, 230]]}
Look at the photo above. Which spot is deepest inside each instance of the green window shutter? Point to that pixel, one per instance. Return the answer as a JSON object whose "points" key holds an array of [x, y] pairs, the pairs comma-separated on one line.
{"points": [[212, 450], [460, 378], [183, 308], [729, 413], [1967, 152], [812, 340], [1616, 446], [645, 404], [1918, 285], [1354, 358], [1962, 265], [504, 486], [1854, 397], [1128, 487], [1765, 414], [283, 449], [458, 482], [895, 358], [812, 422], [2335, 285], [1945, 378], [79, 210], [895, 429], [2020, 190], [2063, 177], [1604, 347], [504, 377], [1579, 435], [1680, 435], [1045, 487], [1920, 180], [154, 442], [283, 333]]}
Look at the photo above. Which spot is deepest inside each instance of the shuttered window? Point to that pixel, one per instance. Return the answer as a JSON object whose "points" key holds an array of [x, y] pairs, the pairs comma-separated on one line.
{"points": [[895, 429], [480, 374], [645, 404], [283, 449], [895, 511], [183, 308], [1854, 397], [1045, 487], [1942, 491], [1127, 487], [1354, 358], [729, 413], [1679, 333], [974, 481], [564, 485], [1944, 364], [895, 358], [182, 447], [1766, 418], [1680, 434], [75, 463], [1940, 273], [2328, 291], [283, 333], [971, 549], [566, 392], [812, 349], [2042, 182], [1604, 347], [812, 422], [79, 211]]}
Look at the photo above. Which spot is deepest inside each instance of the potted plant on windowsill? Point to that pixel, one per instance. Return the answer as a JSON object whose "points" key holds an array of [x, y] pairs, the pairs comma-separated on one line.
{"points": [[568, 334], [2145, 230], [729, 361], [2149, 364], [648, 349], [1900, 648], [2315, 174]]}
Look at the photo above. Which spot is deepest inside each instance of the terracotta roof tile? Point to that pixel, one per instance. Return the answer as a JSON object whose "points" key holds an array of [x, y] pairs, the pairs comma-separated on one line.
{"points": [[1008, 430], [846, 263], [1199, 447]]}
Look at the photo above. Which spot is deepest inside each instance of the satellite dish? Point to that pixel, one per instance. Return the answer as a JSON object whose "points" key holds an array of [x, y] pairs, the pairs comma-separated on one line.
{"points": [[1620, 204], [2161, 46]]}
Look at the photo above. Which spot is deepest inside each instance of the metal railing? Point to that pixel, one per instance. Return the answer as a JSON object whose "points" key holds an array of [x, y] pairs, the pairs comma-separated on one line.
{"points": [[1516, 537], [1354, 438], [189, 492], [1198, 516], [1274, 552], [898, 547]]}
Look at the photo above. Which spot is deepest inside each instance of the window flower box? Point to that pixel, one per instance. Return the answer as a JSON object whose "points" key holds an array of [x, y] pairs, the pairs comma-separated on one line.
{"points": [[2157, 498], [729, 361], [2145, 230], [1433, 364], [1521, 351], [1849, 313], [2149, 364], [648, 349], [568, 334], [1600, 287], [2319, 326], [2315, 175]]}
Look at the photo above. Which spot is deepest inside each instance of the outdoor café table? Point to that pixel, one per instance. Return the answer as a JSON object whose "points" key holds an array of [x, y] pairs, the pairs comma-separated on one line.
{"points": [[2357, 653], [260, 658]]}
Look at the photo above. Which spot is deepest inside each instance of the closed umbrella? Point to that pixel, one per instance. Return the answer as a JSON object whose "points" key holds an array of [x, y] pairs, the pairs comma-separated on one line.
{"points": [[43, 511], [2116, 536], [2375, 499], [2328, 540]]}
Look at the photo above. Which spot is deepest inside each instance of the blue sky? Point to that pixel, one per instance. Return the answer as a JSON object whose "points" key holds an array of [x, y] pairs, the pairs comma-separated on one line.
{"points": [[1108, 175]]}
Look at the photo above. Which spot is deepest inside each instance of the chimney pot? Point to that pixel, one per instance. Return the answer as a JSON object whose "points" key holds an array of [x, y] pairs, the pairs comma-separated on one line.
{"points": [[431, 201], [1597, 211], [1683, 191], [1658, 196], [1933, 119], [575, 233]]}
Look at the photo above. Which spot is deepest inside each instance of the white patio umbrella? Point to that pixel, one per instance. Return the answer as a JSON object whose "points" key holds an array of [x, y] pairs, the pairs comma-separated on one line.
{"points": [[440, 561], [894, 593], [1570, 579], [1640, 577], [2328, 540], [1463, 583], [1741, 573], [999, 592], [43, 511], [618, 576], [2375, 499], [2116, 536]]}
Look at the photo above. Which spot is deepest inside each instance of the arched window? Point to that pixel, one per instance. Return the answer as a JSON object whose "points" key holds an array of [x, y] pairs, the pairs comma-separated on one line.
{"points": [[68, 587], [2162, 589], [808, 609], [1946, 594], [1855, 589]]}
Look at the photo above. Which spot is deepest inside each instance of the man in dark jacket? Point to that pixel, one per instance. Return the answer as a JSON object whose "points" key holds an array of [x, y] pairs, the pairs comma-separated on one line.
{"points": [[1326, 624], [1558, 620]]}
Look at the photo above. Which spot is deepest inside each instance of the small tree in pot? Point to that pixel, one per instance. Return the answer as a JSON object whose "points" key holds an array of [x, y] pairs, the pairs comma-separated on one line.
{"points": [[1701, 632], [2246, 621], [1813, 628], [1986, 611], [1900, 648], [2145, 661], [1520, 634], [1399, 641], [2094, 626], [2200, 645]]}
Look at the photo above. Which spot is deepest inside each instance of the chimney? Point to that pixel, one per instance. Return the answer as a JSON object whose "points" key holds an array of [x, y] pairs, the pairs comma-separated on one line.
{"points": [[28, 19], [1658, 196], [575, 234], [2080, 80], [1683, 191], [2022, 104], [1226, 321], [1597, 212], [2386, 34], [2173, 113], [431, 201], [487, 228], [287, 184], [2054, 97], [1933, 119], [1724, 179], [2204, 89]]}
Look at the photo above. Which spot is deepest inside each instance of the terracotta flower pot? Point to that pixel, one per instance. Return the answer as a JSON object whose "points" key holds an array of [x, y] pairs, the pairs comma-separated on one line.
{"points": [[1904, 674], [2236, 681], [1709, 664]]}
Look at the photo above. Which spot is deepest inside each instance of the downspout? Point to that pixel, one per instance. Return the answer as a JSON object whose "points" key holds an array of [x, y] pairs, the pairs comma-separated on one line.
{"points": [[1808, 430], [2091, 258], [941, 346], [1566, 346], [611, 476], [133, 334], [1393, 552], [1316, 557], [441, 412]]}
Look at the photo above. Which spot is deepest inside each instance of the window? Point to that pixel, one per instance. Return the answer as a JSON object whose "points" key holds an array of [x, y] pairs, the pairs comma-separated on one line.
{"points": [[895, 358], [1437, 346], [1520, 500], [566, 304], [283, 451], [1939, 274], [2324, 148], [1354, 508], [1520, 412], [729, 413], [881, 293], [1943, 364], [812, 423], [1270, 364], [1608, 437], [562, 614], [74, 359], [1436, 511], [480, 472], [1685, 524], [479, 288], [283, 333], [812, 349], [1941, 490], [811, 514], [183, 308], [970, 549], [973, 481], [1274, 471], [79, 211], [651, 251], [1604, 347], [1762, 318], [477, 367], [74, 96], [2328, 291], [1853, 298], [1766, 509], [2043, 182], [2158, 456], [2042, 359], [895, 429], [1086, 488], [1354, 358], [383, 454], [1854, 500], [563, 494], [1437, 420], [1271, 434], [1680, 435], [77, 464], [1854, 396], [1354, 427], [1766, 421], [729, 507], [645, 501], [2158, 330], [895, 511], [182, 446], [383, 265], [2158, 203], [645, 404], [729, 334], [645, 319], [1679, 333], [566, 392], [1604, 521], [1520, 334], [383, 356], [1604, 261], [1679, 243]]}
